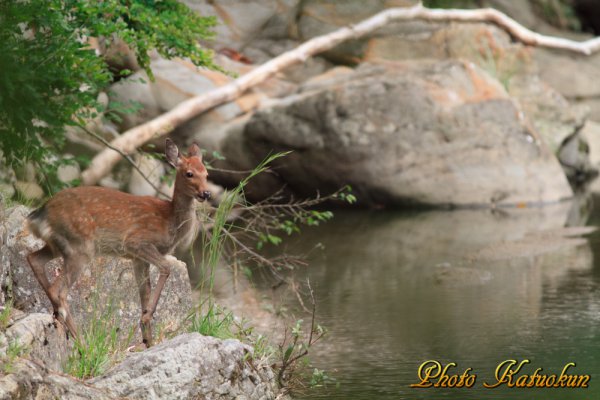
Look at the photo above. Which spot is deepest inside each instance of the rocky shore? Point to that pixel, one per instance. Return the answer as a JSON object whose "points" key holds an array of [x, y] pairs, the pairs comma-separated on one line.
{"points": [[187, 366]]}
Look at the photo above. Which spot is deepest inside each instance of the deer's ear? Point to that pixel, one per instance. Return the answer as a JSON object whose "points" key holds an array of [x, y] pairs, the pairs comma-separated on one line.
{"points": [[172, 153], [194, 151]]}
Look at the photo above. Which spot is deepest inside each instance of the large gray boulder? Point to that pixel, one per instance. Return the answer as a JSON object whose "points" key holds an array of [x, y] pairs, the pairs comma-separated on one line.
{"points": [[108, 283], [40, 337], [239, 22], [582, 87], [30, 380], [430, 133], [190, 366]]}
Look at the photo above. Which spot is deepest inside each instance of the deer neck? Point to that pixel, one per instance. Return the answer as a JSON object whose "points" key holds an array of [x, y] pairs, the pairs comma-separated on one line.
{"points": [[184, 217]]}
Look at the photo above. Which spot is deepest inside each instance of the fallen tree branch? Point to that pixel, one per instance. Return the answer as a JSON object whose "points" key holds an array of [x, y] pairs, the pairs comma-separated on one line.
{"points": [[126, 157], [186, 110]]}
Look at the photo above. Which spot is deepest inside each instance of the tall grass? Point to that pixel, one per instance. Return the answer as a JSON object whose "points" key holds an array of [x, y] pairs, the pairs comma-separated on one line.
{"points": [[214, 241], [208, 318], [213, 321], [98, 343]]}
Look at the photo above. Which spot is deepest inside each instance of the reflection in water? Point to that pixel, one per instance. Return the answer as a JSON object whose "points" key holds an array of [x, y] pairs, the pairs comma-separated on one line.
{"points": [[472, 287]]}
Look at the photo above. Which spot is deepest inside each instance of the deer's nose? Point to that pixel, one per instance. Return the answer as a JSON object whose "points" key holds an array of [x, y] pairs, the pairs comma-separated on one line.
{"points": [[206, 195]]}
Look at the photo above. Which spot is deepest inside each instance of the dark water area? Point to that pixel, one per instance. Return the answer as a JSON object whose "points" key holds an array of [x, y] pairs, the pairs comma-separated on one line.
{"points": [[473, 287]]}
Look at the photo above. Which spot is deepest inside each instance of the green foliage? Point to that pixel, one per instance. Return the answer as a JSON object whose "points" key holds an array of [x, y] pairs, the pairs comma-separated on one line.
{"points": [[167, 26], [96, 346], [208, 319], [291, 226], [5, 315], [290, 222], [345, 195], [43, 69], [51, 77], [214, 243], [293, 365], [319, 378], [218, 322], [215, 321], [14, 351]]}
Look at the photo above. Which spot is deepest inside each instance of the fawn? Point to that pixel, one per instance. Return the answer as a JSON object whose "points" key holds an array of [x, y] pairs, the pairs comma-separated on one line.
{"points": [[78, 223]]}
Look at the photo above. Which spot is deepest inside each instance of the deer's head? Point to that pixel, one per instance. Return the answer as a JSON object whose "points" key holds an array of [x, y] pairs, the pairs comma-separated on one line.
{"points": [[191, 173]]}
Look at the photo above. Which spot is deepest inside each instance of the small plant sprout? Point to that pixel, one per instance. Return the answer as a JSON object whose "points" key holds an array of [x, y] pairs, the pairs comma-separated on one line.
{"points": [[5, 313], [13, 351]]}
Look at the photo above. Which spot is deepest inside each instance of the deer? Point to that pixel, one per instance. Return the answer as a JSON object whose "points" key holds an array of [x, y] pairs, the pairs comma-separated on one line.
{"points": [[81, 222]]}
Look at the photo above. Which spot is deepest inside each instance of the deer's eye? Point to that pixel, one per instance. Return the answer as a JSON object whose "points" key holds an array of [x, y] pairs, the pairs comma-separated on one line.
{"points": [[189, 174]]}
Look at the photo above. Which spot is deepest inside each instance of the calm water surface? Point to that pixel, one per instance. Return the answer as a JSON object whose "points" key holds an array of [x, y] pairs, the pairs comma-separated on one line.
{"points": [[471, 287]]}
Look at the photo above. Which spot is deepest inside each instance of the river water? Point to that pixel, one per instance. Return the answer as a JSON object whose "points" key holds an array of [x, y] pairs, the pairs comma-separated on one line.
{"points": [[473, 287]]}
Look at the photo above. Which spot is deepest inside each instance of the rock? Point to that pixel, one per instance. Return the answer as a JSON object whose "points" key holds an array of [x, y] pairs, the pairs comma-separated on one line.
{"points": [[262, 50], [521, 11], [109, 181], [119, 56], [510, 62], [25, 172], [68, 173], [591, 135], [557, 71], [7, 190], [5, 273], [319, 17], [41, 338], [153, 169], [558, 123], [190, 366], [131, 91], [17, 243], [177, 81], [241, 22], [30, 380], [574, 157], [107, 284], [551, 114], [435, 133], [582, 87]]}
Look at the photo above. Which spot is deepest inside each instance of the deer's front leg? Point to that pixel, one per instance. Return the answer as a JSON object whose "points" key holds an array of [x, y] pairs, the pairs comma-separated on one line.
{"points": [[142, 277], [151, 255]]}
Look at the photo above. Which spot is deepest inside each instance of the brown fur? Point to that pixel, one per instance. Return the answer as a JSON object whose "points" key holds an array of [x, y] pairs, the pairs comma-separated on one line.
{"points": [[79, 223]]}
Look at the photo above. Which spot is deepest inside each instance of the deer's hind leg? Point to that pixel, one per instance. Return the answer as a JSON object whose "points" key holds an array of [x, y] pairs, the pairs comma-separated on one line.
{"points": [[73, 267], [37, 261], [74, 261]]}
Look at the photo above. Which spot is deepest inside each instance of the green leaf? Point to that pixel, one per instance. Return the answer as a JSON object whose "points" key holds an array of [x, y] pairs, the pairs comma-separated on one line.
{"points": [[288, 352]]}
